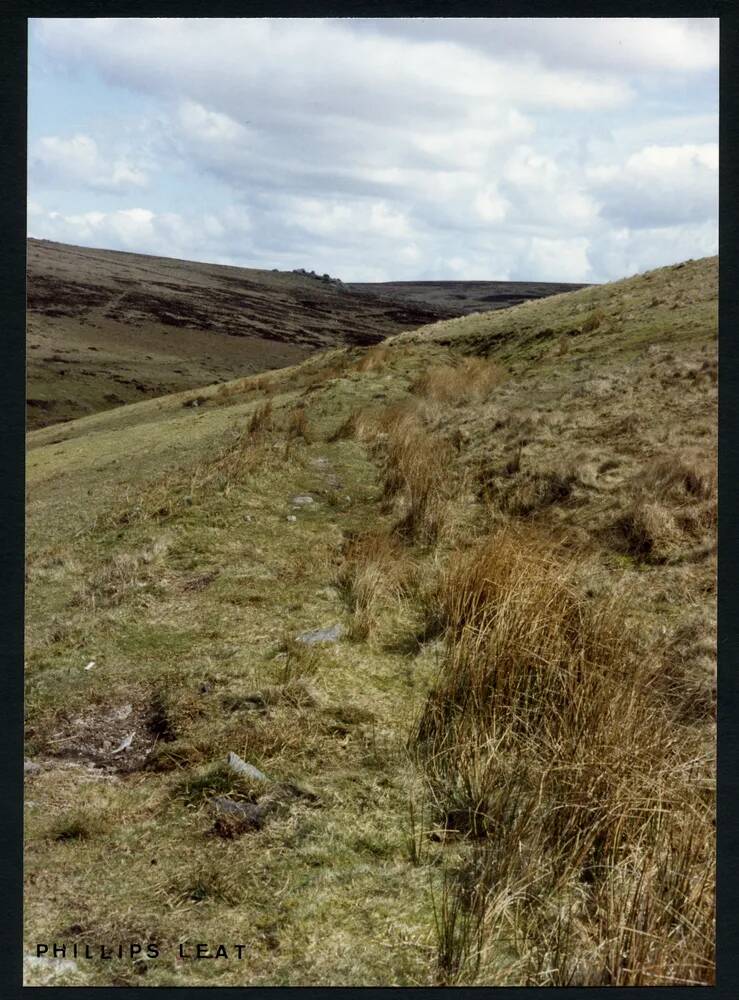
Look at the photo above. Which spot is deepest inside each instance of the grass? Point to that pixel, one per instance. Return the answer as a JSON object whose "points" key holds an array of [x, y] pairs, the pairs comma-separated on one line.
{"points": [[544, 731], [469, 380], [416, 469], [542, 694], [376, 576]]}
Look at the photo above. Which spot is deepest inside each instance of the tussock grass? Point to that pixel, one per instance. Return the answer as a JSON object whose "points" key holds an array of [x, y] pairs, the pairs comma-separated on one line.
{"points": [[125, 575], [546, 738], [416, 469], [376, 575], [261, 419], [469, 380], [593, 321], [78, 824], [297, 424], [673, 507], [266, 384], [240, 455], [529, 492], [374, 360]]}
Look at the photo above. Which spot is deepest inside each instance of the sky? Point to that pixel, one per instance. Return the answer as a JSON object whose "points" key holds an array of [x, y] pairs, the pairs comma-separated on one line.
{"points": [[508, 149]]}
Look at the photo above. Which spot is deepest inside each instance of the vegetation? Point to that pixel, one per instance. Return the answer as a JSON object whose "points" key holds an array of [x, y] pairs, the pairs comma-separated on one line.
{"points": [[501, 770]]}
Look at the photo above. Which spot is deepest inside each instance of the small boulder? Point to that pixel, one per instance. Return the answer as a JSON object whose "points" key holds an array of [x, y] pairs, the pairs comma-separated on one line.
{"points": [[239, 766], [125, 743], [331, 634], [302, 501], [46, 967], [234, 818]]}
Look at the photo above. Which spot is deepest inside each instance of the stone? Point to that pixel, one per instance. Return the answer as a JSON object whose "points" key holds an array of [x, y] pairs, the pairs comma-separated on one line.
{"points": [[239, 766], [48, 966], [31, 767], [331, 634], [247, 812], [125, 743], [305, 500], [292, 518]]}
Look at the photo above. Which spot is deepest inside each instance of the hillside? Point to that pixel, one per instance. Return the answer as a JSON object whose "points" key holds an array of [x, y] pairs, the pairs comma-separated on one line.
{"points": [[107, 328], [453, 597], [462, 297]]}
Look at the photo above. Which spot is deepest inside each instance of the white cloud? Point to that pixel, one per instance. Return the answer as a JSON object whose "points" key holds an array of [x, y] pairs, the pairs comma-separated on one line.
{"points": [[659, 186], [490, 204], [640, 45], [77, 159], [210, 126], [199, 237], [559, 260], [309, 61], [489, 147]]}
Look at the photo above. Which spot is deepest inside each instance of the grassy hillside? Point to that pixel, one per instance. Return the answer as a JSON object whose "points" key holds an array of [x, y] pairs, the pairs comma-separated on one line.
{"points": [[498, 770], [107, 328]]}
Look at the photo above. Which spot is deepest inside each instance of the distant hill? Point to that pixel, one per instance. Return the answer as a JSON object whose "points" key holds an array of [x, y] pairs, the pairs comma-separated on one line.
{"points": [[462, 297], [107, 328]]}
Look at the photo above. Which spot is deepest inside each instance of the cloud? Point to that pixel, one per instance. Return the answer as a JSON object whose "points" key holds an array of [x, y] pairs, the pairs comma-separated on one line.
{"points": [[202, 125], [486, 147], [322, 63], [77, 160], [660, 186], [638, 45], [196, 236]]}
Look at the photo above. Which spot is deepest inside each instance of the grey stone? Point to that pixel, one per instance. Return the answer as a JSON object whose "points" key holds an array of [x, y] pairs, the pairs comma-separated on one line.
{"points": [[31, 767], [239, 766], [304, 500], [125, 743], [331, 634], [48, 966], [250, 814]]}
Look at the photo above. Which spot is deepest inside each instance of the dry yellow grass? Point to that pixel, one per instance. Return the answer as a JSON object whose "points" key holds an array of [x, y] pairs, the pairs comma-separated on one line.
{"points": [[374, 360], [297, 423], [376, 572], [468, 380], [547, 738], [673, 509], [417, 471]]}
